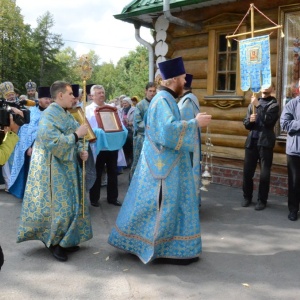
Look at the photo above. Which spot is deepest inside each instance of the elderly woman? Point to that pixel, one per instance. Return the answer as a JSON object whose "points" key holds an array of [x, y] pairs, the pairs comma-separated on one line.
{"points": [[127, 114]]}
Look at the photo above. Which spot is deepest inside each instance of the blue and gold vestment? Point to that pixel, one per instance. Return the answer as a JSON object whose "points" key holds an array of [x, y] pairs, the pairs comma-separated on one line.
{"points": [[170, 229], [139, 132], [52, 204], [19, 171], [189, 107]]}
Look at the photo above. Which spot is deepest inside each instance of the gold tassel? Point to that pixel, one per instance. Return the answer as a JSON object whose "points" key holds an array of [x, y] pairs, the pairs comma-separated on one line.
{"points": [[228, 43], [282, 34]]}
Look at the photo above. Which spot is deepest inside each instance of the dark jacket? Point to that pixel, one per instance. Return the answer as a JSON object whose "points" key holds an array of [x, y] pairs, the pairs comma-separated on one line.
{"points": [[268, 116]]}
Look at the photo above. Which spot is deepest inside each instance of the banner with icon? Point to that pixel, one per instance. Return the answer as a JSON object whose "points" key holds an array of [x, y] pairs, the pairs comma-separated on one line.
{"points": [[255, 63]]}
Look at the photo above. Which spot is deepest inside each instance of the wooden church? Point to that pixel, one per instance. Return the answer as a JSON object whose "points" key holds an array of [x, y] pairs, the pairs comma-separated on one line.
{"points": [[198, 31]]}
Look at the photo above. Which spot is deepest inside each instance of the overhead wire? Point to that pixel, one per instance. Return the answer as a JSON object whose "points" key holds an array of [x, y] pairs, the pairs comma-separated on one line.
{"points": [[95, 44]]}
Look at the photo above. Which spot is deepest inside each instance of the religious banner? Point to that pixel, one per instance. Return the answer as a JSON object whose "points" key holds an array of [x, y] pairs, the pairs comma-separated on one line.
{"points": [[255, 63]]}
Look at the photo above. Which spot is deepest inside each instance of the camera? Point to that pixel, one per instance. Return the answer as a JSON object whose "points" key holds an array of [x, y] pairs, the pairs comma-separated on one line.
{"points": [[6, 111]]}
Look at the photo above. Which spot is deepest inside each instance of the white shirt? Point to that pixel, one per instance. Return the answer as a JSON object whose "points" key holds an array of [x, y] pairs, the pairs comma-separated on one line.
{"points": [[90, 115]]}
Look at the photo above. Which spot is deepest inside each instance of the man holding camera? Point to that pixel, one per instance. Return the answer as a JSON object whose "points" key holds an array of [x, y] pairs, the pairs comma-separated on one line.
{"points": [[10, 139], [8, 93], [23, 150]]}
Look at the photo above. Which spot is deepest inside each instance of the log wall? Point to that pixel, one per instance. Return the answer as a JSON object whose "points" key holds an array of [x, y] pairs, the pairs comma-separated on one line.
{"points": [[227, 131]]}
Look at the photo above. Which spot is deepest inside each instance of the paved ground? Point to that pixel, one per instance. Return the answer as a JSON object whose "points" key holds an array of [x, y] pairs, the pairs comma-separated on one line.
{"points": [[246, 255]]}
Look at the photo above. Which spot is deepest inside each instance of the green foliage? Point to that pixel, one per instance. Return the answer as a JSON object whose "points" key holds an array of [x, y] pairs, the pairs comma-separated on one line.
{"points": [[132, 73], [12, 40], [105, 75], [68, 62], [37, 54], [47, 47], [128, 77]]}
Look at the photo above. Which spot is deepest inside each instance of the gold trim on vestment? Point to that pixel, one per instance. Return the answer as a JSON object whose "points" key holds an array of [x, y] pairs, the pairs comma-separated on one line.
{"points": [[182, 134], [177, 238]]}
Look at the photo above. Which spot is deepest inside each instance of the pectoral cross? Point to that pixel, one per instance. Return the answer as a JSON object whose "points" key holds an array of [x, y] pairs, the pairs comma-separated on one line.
{"points": [[160, 164]]}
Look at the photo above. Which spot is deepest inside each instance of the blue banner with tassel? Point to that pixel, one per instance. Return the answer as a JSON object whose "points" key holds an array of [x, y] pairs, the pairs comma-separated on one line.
{"points": [[255, 63]]}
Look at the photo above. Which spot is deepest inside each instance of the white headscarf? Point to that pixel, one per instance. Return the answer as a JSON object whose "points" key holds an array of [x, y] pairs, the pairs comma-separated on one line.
{"points": [[128, 100]]}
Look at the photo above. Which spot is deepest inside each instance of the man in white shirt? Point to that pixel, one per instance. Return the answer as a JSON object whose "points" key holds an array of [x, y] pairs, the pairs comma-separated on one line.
{"points": [[105, 156]]}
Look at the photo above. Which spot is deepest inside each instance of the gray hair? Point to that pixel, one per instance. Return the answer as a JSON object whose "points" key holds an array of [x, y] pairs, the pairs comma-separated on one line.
{"points": [[127, 99], [96, 87]]}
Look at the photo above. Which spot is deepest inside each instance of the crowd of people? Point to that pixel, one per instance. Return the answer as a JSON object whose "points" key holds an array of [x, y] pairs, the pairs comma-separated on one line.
{"points": [[158, 138]]}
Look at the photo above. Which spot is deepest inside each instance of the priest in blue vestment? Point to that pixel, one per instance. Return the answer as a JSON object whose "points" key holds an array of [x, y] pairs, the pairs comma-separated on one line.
{"points": [[139, 119], [53, 209], [22, 153], [159, 218], [189, 107]]}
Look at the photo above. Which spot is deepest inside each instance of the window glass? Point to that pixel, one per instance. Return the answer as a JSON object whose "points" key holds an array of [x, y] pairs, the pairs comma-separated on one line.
{"points": [[226, 65]]}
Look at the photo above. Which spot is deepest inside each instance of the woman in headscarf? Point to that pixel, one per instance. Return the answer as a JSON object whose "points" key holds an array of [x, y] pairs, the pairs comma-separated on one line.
{"points": [[135, 100]]}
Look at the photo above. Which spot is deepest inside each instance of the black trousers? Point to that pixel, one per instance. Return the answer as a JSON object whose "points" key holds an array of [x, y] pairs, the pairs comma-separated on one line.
{"points": [[128, 148], [265, 158], [110, 159], [293, 164]]}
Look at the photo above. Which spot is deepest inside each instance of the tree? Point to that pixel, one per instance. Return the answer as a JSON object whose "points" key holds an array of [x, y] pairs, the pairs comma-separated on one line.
{"points": [[12, 38], [132, 73], [105, 75], [68, 61], [47, 46], [35, 54]]}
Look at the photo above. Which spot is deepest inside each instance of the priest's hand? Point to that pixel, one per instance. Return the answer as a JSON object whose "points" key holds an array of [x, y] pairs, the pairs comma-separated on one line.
{"points": [[203, 119], [82, 130], [84, 155]]}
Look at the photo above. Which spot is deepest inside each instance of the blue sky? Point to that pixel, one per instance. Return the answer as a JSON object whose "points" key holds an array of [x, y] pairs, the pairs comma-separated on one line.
{"points": [[90, 24]]}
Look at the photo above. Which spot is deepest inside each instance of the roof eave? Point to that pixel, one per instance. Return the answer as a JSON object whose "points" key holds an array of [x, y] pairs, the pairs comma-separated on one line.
{"points": [[130, 16], [144, 16], [138, 21]]}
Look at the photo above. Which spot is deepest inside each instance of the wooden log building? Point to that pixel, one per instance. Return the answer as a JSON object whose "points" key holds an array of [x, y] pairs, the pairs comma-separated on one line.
{"points": [[197, 30]]}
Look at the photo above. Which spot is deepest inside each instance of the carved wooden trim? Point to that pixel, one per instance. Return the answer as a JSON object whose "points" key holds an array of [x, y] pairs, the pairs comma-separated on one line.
{"points": [[224, 102]]}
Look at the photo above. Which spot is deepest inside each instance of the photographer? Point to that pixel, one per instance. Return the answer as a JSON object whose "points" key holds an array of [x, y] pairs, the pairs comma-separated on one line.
{"points": [[6, 103], [23, 150], [10, 138]]}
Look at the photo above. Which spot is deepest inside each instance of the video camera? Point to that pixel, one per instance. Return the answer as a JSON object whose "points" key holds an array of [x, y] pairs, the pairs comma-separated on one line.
{"points": [[6, 111]]}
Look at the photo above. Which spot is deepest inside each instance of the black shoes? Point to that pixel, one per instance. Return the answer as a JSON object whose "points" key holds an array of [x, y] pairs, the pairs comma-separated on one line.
{"points": [[260, 205], [293, 216], [58, 252], [174, 261], [246, 202], [116, 203], [72, 249], [1, 258]]}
